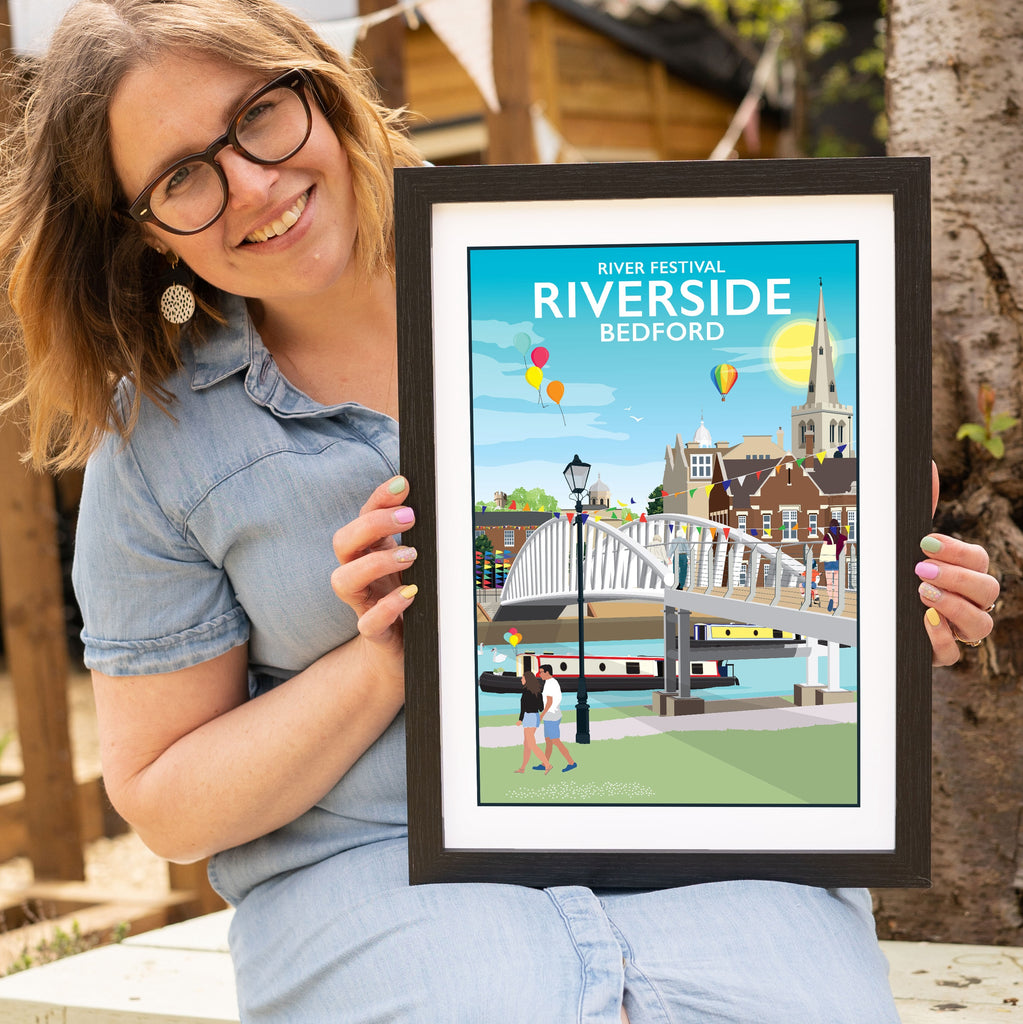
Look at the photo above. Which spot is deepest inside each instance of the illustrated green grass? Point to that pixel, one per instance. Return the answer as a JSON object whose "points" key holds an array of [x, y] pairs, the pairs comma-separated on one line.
{"points": [[806, 765]]}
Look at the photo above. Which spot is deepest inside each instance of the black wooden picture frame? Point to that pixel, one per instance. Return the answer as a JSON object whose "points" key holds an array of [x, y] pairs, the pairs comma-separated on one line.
{"points": [[450, 222]]}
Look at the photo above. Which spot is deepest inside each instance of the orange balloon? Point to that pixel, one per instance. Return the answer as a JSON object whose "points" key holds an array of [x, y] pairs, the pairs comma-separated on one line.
{"points": [[556, 391], [534, 377]]}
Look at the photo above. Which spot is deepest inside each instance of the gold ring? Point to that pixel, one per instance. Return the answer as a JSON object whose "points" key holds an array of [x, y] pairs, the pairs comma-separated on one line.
{"points": [[969, 643]]}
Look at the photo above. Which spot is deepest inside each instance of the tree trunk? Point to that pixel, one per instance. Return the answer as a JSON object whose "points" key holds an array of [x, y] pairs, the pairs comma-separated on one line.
{"points": [[954, 94]]}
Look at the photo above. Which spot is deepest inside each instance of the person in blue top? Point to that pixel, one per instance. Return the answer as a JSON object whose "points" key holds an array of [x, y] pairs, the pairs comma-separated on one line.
{"points": [[197, 229]]}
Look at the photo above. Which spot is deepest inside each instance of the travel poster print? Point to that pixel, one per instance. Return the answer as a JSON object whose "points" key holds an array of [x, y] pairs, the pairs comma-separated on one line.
{"points": [[713, 391]]}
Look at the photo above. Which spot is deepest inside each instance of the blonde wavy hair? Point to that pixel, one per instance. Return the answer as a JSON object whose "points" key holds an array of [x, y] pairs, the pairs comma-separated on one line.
{"points": [[82, 280]]}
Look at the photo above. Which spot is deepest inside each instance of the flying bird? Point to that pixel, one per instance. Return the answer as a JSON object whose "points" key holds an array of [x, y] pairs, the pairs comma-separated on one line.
{"points": [[638, 419]]}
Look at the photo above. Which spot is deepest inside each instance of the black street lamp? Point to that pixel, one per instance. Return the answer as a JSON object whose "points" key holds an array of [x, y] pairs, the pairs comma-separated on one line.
{"points": [[576, 474]]}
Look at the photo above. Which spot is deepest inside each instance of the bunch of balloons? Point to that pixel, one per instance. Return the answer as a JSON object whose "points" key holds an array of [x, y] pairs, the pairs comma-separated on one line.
{"points": [[513, 636], [534, 373]]}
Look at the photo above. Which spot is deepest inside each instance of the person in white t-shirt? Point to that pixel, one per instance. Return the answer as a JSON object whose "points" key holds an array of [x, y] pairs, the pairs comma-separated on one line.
{"points": [[551, 718]]}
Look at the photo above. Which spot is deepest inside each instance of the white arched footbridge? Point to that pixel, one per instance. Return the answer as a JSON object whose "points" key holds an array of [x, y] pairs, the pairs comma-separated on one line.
{"points": [[687, 563]]}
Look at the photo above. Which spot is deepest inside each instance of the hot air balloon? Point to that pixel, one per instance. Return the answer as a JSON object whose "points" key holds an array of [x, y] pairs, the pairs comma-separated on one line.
{"points": [[723, 377]]}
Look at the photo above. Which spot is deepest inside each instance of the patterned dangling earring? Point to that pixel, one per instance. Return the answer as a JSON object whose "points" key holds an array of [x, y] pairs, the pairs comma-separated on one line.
{"points": [[177, 303]]}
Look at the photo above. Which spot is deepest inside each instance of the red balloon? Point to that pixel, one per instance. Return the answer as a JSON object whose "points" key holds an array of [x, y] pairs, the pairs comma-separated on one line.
{"points": [[540, 355]]}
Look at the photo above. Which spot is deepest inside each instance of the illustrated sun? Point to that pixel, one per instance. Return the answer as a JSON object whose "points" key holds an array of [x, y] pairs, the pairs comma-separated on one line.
{"points": [[790, 352]]}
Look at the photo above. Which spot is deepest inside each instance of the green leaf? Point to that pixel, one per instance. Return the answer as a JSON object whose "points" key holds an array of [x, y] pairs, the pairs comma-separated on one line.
{"points": [[1002, 421], [974, 431], [996, 446]]}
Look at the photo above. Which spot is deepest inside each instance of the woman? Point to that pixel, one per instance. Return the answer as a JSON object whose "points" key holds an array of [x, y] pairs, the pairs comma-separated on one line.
{"points": [[236, 562], [831, 548], [529, 718]]}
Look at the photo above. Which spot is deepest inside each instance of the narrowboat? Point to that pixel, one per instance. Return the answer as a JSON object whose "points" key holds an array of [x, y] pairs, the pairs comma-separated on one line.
{"points": [[606, 673], [738, 631]]}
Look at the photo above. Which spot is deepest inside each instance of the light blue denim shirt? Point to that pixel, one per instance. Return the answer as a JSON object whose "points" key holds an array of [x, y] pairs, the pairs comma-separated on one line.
{"points": [[215, 526]]}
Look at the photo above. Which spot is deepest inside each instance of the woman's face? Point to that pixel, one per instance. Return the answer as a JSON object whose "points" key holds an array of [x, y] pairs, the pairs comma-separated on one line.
{"points": [[177, 105]]}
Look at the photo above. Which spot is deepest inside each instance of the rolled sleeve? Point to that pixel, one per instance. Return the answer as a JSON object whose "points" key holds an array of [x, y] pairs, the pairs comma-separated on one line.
{"points": [[151, 599]]}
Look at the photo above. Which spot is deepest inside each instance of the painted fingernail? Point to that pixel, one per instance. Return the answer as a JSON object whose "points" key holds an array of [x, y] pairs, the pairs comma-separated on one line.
{"points": [[397, 485], [927, 570], [929, 593], [404, 515], [932, 617], [409, 592], [405, 554], [931, 545]]}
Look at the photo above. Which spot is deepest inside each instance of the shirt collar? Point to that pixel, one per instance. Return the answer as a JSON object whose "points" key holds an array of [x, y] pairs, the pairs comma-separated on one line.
{"points": [[232, 346], [235, 346]]}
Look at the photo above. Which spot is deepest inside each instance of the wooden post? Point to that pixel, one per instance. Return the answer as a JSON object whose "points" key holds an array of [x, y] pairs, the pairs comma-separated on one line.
{"points": [[195, 879], [511, 130], [35, 640], [383, 50]]}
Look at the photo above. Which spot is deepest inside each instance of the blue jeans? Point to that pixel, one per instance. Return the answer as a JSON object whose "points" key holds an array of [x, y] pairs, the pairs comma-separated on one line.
{"points": [[309, 950], [328, 931]]}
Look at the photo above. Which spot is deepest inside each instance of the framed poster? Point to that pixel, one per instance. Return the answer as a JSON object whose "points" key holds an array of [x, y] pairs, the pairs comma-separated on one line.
{"points": [[667, 427]]}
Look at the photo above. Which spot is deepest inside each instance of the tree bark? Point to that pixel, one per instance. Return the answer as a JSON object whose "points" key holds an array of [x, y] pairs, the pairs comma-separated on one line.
{"points": [[955, 94]]}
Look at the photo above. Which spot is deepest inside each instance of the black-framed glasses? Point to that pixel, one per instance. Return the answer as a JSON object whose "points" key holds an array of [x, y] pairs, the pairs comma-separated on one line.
{"points": [[271, 126]]}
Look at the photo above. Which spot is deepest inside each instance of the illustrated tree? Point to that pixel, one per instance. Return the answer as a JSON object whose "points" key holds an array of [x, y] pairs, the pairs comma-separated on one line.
{"points": [[955, 95], [535, 497], [655, 501]]}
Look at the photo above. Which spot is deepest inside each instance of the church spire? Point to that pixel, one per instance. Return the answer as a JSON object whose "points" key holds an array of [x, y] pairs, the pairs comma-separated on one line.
{"points": [[822, 423], [821, 386]]}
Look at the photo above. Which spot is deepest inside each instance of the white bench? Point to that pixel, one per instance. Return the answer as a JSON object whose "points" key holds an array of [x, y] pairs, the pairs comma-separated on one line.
{"points": [[181, 974]]}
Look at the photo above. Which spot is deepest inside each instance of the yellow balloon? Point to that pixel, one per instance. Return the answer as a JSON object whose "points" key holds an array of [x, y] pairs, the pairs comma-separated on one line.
{"points": [[514, 639], [534, 377]]}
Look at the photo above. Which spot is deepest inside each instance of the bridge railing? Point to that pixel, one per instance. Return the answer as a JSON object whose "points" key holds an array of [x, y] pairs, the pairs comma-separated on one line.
{"points": [[615, 566], [637, 561], [705, 556]]}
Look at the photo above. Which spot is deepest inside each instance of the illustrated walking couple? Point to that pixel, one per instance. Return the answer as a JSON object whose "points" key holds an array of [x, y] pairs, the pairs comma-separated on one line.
{"points": [[541, 702]]}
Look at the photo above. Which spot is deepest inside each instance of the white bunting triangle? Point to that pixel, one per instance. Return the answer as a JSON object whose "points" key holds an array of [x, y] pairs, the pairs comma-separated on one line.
{"points": [[342, 35], [466, 29], [545, 136]]}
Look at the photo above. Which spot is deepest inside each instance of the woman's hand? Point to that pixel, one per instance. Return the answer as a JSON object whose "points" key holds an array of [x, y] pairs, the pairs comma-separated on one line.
{"points": [[370, 563], [957, 589]]}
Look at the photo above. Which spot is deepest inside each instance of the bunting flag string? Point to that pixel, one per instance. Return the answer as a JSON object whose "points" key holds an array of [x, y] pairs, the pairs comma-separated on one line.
{"points": [[344, 34], [707, 488], [628, 516], [466, 29], [463, 26]]}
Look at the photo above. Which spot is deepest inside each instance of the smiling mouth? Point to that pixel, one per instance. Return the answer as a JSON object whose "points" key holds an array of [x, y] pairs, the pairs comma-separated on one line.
{"points": [[283, 224]]}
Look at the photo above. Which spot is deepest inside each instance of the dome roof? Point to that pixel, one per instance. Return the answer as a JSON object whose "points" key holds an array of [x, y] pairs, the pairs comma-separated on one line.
{"points": [[702, 436]]}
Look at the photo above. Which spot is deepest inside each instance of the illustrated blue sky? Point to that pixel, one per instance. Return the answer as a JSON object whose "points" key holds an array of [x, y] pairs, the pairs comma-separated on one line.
{"points": [[626, 399]]}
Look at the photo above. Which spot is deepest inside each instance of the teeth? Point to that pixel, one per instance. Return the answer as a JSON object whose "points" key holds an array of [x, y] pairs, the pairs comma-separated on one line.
{"points": [[283, 224]]}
